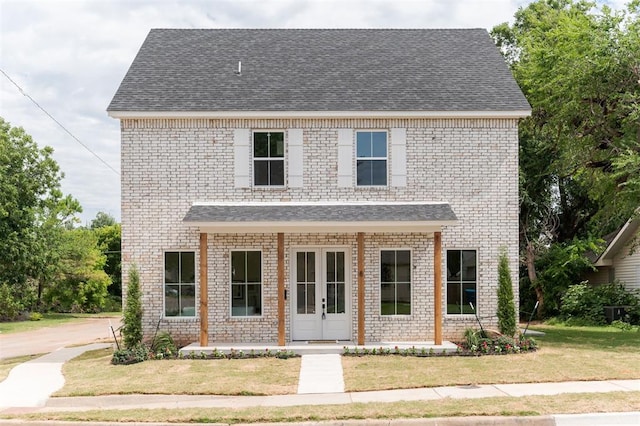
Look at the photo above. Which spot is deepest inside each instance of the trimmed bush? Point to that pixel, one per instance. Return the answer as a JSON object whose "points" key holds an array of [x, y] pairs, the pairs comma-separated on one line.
{"points": [[506, 313], [132, 318]]}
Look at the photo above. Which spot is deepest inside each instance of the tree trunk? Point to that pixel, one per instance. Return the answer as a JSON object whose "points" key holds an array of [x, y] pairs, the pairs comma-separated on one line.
{"points": [[533, 277]]}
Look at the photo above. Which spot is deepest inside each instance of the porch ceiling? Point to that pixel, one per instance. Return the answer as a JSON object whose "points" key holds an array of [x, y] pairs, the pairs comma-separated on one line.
{"points": [[290, 217]]}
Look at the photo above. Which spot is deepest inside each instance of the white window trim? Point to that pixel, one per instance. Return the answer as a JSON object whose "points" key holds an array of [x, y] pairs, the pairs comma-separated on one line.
{"points": [[253, 159], [356, 157], [230, 283], [446, 286], [411, 266], [196, 260]]}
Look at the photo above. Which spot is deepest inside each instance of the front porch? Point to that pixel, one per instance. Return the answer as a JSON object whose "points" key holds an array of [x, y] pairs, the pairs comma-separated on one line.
{"points": [[313, 348]]}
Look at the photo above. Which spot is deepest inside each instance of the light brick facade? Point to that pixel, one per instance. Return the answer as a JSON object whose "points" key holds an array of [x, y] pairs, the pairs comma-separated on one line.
{"points": [[168, 164]]}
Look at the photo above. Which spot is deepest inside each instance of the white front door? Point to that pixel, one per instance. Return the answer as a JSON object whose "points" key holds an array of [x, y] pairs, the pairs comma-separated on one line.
{"points": [[320, 287]]}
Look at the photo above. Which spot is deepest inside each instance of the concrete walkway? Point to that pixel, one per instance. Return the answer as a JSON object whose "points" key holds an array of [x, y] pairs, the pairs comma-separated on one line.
{"points": [[321, 374], [30, 384]]}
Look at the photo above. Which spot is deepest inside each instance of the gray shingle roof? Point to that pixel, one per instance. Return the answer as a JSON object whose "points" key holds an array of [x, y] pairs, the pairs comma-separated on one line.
{"points": [[318, 70], [320, 213]]}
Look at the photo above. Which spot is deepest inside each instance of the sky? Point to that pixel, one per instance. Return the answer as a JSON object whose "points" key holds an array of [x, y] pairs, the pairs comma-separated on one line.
{"points": [[70, 57]]}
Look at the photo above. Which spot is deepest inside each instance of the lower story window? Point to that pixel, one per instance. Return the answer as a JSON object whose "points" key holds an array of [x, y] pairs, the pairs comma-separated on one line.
{"points": [[179, 284], [462, 282], [246, 283], [395, 282]]}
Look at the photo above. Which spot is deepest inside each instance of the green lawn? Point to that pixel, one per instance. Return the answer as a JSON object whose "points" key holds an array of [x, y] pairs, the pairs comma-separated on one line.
{"points": [[51, 320]]}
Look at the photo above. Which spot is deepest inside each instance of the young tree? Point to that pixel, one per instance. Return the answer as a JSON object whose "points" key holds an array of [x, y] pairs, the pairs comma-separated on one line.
{"points": [[132, 328], [507, 322]]}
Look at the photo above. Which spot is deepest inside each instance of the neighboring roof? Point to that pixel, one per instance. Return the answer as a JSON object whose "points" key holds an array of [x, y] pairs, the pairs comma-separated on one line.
{"points": [[320, 217], [618, 241], [195, 70]]}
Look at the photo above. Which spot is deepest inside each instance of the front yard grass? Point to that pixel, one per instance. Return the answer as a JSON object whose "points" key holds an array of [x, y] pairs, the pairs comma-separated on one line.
{"points": [[51, 320], [92, 374], [520, 406], [565, 354]]}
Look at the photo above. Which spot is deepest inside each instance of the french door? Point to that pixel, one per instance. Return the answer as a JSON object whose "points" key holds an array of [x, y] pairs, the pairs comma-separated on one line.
{"points": [[320, 287]]}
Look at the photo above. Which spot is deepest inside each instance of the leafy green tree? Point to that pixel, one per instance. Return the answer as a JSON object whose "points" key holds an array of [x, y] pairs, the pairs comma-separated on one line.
{"points": [[109, 241], [578, 65], [507, 322], [32, 207], [102, 220], [80, 283], [132, 319]]}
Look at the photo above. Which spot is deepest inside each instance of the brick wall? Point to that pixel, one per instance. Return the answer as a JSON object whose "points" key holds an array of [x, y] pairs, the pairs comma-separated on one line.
{"points": [[169, 164]]}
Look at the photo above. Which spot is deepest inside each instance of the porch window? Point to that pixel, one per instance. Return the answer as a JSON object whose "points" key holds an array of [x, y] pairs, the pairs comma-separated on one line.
{"points": [[462, 281], [371, 161], [179, 284], [268, 158], [246, 283], [395, 282]]}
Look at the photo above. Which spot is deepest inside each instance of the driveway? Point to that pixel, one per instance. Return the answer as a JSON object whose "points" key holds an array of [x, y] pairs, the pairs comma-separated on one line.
{"points": [[50, 339]]}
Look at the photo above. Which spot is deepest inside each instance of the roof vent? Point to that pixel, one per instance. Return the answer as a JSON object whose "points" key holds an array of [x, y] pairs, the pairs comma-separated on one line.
{"points": [[239, 72]]}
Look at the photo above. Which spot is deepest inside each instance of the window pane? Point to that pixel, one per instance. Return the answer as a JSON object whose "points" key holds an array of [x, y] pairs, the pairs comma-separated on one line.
{"points": [[453, 265], [238, 300], [331, 266], [171, 300], [454, 301], [260, 172], [254, 299], [363, 144], [311, 267], [238, 274], [254, 267], [340, 266], [188, 271], [341, 298], [379, 172], [301, 265], [469, 265], [387, 266], [311, 298], [364, 173], [260, 145], [171, 267], [387, 299], [276, 145], [403, 293], [331, 298], [188, 300], [276, 172], [403, 270], [379, 142], [469, 296], [301, 298]]}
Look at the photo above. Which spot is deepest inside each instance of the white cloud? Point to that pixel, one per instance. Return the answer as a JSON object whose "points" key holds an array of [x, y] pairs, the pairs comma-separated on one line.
{"points": [[70, 56]]}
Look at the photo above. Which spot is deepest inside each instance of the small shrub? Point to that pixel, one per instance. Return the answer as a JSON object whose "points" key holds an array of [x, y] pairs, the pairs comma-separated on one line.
{"points": [[128, 356], [35, 316], [163, 345]]}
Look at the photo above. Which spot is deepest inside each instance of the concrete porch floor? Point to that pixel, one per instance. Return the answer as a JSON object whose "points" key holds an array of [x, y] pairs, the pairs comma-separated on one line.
{"points": [[312, 348]]}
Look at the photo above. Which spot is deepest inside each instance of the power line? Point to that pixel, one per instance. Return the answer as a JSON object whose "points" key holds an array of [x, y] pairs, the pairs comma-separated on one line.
{"points": [[58, 123]]}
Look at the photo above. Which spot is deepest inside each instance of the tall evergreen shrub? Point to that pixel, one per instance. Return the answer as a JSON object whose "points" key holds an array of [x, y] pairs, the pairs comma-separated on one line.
{"points": [[506, 305], [132, 328]]}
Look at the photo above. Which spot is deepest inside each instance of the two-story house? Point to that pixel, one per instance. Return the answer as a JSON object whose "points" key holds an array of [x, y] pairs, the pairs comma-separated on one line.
{"points": [[297, 185]]}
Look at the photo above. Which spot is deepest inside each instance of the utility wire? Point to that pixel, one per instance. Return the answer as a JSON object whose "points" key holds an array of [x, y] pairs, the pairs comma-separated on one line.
{"points": [[58, 123]]}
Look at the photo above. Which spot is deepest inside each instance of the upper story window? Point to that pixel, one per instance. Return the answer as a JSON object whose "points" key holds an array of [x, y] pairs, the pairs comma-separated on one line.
{"points": [[461, 281], [179, 284], [268, 158], [371, 158]]}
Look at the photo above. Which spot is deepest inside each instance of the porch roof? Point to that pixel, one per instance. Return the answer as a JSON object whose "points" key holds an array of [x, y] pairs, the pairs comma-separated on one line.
{"points": [[320, 217]]}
